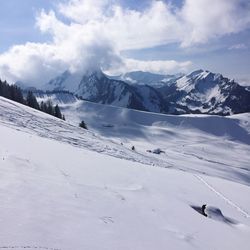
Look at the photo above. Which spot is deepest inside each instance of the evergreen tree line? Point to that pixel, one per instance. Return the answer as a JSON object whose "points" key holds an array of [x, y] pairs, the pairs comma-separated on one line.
{"points": [[14, 93]]}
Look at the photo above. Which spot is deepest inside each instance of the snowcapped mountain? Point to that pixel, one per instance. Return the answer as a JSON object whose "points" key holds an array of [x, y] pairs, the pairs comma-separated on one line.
{"points": [[205, 92], [201, 91], [147, 78], [95, 86], [65, 81]]}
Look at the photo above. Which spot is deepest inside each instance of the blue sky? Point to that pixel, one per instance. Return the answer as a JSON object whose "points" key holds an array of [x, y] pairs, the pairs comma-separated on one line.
{"points": [[17, 24], [217, 56], [170, 36]]}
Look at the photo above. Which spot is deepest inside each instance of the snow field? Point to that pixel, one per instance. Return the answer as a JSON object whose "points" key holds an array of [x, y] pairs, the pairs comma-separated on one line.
{"points": [[62, 188]]}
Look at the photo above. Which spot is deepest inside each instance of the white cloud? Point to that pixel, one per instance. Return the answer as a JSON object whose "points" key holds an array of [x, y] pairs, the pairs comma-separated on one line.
{"points": [[94, 32], [135, 30], [207, 19], [82, 11], [238, 46], [32, 62], [243, 80], [160, 23], [155, 66], [129, 29]]}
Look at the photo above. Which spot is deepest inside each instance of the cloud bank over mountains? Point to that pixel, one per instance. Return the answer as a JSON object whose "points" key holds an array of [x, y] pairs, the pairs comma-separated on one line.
{"points": [[89, 34]]}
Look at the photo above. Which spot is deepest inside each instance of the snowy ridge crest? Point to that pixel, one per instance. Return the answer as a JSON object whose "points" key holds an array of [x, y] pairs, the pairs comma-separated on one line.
{"points": [[199, 92]]}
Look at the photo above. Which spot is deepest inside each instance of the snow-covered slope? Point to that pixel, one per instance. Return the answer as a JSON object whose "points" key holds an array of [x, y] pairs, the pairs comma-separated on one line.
{"points": [[204, 141], [62, 188], [18, 116]]}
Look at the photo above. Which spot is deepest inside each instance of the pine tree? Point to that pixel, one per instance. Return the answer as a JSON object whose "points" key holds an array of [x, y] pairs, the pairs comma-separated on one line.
{"points": [[50, 108], [16, 94], [1, 88], [82, 124], [31, 101], [11, 92], [58, 113], [42, 106], [5, 90]]}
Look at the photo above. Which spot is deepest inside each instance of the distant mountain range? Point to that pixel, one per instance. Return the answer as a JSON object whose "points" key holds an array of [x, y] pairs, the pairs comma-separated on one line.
{"points": [[200, 92], [147, 78]]}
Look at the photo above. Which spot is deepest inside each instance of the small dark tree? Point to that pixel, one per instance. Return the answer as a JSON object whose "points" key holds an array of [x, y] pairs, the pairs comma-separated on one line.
{"points": [[50, 108], [5, 89], [1, 88], [43, 107], [16, 94], [11, 92], [133, 148], [19, 95], [82, 124], [58, 113], [31, 101]]}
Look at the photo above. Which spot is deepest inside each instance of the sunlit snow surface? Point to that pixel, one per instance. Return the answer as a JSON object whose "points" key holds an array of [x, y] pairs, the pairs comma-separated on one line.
{"points": [[62, 187], [214, 145]]}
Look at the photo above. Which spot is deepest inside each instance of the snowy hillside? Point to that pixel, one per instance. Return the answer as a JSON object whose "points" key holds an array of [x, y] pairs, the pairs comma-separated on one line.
{"points": [[181, 137], [66, 188]]}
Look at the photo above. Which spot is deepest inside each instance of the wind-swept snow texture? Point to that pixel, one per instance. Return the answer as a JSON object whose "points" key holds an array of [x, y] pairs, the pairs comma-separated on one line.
{"points": [[62, 188], [213, 145]]}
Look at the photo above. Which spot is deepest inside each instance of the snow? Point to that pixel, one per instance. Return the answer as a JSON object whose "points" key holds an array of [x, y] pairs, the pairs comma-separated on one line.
{"points": [[183, 84], [65, 81], [66, 188], [143, 78], [205, 92], [209, 144], [203, 80], [60, 98], [150, 100], [121, 100]]}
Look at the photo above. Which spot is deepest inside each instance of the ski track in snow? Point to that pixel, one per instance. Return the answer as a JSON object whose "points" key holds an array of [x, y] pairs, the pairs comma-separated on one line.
{"points": [[28, 247], [228, 201], [22, 118]]}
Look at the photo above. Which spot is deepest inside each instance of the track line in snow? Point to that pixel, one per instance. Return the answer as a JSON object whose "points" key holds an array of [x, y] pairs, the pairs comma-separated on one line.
{"points": [[228, 201], [28, 247]]}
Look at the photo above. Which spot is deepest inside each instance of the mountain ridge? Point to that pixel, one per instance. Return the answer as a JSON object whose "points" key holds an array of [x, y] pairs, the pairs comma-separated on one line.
{"points": [[199, 92]]}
